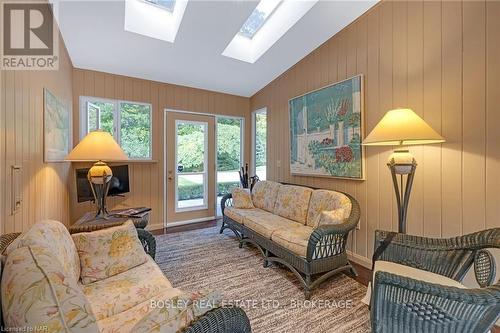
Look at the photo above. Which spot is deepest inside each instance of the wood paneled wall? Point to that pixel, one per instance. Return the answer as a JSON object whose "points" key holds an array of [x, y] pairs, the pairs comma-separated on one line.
{"points": [[146, 188], [442, 59], [44, 186]]}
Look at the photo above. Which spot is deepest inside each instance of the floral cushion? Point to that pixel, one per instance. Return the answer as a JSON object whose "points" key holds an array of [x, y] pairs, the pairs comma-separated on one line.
{"points": [[330, 217], [292, 202], [294, 238], [108, 252], [266, 225], [264, 194], [54, 236], [178, 312], [324, 200], [124, 322], [242, 198], [123, 291], [239, 214], [37, 292]]}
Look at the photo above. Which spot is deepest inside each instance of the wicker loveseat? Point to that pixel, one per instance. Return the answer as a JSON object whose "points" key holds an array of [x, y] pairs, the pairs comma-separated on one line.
{"points": [[304, 229], [42, 291]]}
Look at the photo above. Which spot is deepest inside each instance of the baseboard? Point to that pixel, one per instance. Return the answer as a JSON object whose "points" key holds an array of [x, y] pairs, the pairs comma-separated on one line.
{"points": [[179, 223], [363, 261], [155, 226]]}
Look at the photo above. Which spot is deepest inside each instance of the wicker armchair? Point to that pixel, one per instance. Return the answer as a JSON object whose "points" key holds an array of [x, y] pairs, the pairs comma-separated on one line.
{"points": [[402, 304]]}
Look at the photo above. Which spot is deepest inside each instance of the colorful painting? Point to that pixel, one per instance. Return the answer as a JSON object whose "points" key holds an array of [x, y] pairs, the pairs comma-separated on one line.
{"points": [[326, 126], [57, 128]]}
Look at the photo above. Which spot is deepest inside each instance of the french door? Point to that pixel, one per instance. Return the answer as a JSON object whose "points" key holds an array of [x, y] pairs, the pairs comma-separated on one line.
{"points": [[190, 166]]}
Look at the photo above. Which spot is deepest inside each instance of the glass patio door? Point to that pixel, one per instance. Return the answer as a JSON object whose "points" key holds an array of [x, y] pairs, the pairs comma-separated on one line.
{"points": [[190, 162]]}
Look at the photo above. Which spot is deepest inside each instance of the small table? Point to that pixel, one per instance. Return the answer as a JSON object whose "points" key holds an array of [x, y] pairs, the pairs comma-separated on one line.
{"points": [[88, 222]]}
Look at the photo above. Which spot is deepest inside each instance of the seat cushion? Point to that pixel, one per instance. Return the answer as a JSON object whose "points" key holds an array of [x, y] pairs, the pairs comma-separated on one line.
{"points": [[292, 202], [124, 322], [55, 237], [37, 292], [239, 214], [410, 272], [242, 198], [322, 200], [264, 194], [123, 291], [107, 252], [294, 238], [267, 224]]}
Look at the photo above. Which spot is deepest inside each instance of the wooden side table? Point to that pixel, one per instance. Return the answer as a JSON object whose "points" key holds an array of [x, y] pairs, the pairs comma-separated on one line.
{"points": [[89, 222]]}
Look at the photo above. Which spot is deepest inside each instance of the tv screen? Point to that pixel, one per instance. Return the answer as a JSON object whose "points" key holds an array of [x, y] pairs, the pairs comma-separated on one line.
{"points": [[118, 185]]}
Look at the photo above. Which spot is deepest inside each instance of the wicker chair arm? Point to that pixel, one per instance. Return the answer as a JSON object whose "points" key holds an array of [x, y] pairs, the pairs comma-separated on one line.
{"points": [[451, 257], [440, 308], [148, 242], [221, 320], [329, 240], [226, 201]]}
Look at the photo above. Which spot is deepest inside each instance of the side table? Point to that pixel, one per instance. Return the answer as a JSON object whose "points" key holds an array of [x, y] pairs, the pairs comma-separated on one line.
{"points": [[88, 222]]}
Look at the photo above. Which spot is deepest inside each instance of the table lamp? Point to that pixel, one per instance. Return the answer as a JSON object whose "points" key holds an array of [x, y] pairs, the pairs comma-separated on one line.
{"points": [[98, 146], [402, 127]]}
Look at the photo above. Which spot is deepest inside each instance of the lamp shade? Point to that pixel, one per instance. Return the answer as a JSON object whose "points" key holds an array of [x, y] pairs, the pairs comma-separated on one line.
{"points": [[97, 146], [402, 127]]}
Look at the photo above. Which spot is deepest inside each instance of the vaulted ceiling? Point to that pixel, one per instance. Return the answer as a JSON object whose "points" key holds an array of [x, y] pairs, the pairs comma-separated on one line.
{"points": [[94, 34]]}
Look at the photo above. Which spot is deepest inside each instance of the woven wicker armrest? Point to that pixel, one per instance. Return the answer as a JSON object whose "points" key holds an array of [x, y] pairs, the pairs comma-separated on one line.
{"points": [[425, 307], [330, 240], [227, 200], [221, 320], [451, 257]]}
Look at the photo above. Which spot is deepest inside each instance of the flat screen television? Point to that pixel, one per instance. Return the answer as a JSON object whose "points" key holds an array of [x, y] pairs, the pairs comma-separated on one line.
{"points": [[118, 185]]}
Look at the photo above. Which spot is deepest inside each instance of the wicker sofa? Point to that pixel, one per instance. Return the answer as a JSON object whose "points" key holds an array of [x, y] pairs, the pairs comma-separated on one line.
{"points": [[42, 290], [304, 229]]}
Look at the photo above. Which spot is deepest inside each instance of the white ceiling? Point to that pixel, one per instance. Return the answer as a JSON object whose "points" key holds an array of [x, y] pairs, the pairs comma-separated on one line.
{"points": [[94, 34]]}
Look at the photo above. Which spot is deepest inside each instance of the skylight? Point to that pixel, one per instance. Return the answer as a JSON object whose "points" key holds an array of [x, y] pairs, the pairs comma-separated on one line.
{"points": [[258, 17], [158, 19], [269, 21], [166, 4]]}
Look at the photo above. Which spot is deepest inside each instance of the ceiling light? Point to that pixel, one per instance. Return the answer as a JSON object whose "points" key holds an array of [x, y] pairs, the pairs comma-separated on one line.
{"points": [[269, 21]]}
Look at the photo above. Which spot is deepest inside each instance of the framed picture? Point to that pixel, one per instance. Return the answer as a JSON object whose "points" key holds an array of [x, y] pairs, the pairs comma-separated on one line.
{"points": [[57, 128], [326, 129]]}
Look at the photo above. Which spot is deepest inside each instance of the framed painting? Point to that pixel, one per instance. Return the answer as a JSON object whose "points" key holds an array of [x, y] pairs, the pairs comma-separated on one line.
{"points": [[57, 128], [326, 128]]}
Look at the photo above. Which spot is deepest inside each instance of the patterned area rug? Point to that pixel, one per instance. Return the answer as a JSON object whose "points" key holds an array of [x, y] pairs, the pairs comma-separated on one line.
{"points": [[271, 297]]}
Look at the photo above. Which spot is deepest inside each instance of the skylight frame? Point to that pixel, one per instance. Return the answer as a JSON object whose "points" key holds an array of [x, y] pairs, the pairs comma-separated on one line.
{"points": [[266, 18], [286, 15]]}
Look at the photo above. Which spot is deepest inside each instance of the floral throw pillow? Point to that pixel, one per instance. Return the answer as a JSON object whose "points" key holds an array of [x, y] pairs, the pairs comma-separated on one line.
{"points": [[108, 252], [242, 198], [330, 217]]}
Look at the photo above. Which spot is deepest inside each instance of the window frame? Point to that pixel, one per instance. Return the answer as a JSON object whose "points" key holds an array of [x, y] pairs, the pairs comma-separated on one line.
{"points": [[116, 121], [253, 159]]}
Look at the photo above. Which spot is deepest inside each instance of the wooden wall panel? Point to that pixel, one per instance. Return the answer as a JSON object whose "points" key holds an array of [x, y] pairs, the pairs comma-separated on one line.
{"points": [[410, 53], [44, 186], [146, 178]]}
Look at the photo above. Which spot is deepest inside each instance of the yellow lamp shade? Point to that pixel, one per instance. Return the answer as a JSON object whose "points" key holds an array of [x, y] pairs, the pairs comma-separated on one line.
{"points": [[402, 127], [97, 146]]}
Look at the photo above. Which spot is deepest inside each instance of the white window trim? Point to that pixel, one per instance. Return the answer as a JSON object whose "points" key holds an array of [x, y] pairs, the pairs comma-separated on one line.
{"points": [[253, 167], [204, 173], [116, 121]]}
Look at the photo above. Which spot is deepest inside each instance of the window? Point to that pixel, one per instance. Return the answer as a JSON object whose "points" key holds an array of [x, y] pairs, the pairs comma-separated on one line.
{"points": [[258, 17], [259, 143], [166, 4], [128, 122]]}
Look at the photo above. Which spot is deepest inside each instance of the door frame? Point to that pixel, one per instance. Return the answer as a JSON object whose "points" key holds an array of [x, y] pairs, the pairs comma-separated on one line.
{"points": [[242, 158]]}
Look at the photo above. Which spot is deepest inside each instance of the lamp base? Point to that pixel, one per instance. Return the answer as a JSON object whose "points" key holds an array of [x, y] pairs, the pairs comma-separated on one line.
{"points": [[99, 177], [402, 163]]}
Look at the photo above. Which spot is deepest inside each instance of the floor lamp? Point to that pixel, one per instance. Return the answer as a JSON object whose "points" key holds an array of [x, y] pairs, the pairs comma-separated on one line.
{"points": [[402, 127], [98, 146]]}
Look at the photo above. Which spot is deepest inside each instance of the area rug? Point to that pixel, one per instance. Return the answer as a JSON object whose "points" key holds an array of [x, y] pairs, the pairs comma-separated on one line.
{"points": [[271, 297]]}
